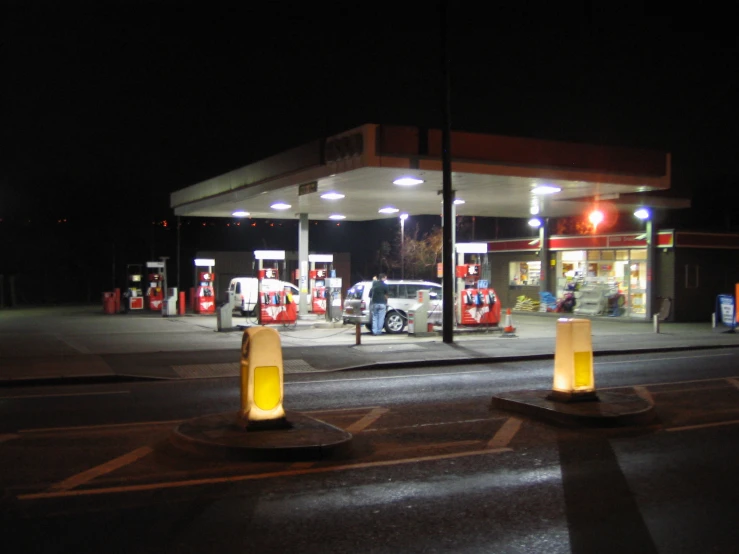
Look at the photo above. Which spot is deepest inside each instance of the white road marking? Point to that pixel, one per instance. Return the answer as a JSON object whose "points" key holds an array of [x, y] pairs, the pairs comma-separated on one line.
{"points": [[703, 425], [417, 447], [367, 420], [99, 427], [667, 383], [733, 381], [73, 344], [505, 434], [258, 476], [644, 393], [331, 410], [663, 359], [107, 467], [21, 397], [384, 378], [419, 425]]}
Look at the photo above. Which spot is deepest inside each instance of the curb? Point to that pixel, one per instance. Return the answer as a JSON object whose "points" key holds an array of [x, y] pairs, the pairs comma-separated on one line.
{"points": [[219, 436], [612, 409], [517, 358]]}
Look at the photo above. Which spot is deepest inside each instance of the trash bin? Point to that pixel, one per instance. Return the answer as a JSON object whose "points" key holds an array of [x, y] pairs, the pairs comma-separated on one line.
{"points": [[109, 303]]}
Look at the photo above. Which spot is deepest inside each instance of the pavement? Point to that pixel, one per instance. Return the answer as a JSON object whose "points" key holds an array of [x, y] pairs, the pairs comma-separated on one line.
{"points": [[49, 345]]}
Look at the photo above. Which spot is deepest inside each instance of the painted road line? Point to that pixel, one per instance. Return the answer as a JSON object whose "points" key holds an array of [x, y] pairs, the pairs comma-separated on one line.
{"points": [[668, 383], [97, 471], [8, 437], [257, 476], [101, 427], [734, 382], [644, 393], [367, 420], [302, 465], [631, 361], [21, 397], [506, 433], [73, 344], [332, 410], [703, 425], [386, 377], [418, 447], [419, 425]]}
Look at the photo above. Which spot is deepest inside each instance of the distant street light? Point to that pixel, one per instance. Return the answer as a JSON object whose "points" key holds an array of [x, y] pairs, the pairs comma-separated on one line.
{"points": [[403, 217]]}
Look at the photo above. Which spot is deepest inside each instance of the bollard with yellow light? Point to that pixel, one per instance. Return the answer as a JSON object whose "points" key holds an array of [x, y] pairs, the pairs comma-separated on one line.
{"points": [[261, 380], [573, 362]]}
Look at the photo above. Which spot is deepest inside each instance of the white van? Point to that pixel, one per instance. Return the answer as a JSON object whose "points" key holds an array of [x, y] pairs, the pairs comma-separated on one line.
{"points": [[401, 298], [242, 292]]}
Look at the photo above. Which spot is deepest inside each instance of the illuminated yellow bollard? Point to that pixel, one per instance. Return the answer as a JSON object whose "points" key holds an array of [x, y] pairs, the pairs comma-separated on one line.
{"points": [[573, 361], [261, 378]]}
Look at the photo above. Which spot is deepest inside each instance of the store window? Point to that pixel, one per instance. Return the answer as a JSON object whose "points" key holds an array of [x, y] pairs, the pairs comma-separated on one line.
{"points": [[524, 274], [619, 275]]}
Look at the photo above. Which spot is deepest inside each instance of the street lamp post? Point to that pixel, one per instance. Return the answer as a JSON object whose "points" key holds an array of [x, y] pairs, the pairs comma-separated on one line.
{"points": [[403, 217], [646, 215]]}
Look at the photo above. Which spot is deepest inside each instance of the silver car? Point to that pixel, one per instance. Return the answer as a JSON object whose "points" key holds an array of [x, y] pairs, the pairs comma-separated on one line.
{"points": [[401, 298]]}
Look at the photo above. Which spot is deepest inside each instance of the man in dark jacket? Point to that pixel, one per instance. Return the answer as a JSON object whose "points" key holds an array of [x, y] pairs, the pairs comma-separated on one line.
{"points": [[378, 299]]}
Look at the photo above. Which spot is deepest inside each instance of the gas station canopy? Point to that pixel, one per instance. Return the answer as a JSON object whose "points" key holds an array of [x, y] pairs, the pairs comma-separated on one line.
{"points": [[375, 166]]}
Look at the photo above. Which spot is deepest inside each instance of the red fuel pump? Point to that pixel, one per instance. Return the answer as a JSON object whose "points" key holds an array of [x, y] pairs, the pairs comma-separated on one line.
{"points": [[155, 294], [318, 290], [205, 295], [276, 304]]}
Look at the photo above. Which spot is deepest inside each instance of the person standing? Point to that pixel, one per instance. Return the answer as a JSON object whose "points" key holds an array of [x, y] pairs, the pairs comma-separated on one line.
{"points": [[378, 298]]}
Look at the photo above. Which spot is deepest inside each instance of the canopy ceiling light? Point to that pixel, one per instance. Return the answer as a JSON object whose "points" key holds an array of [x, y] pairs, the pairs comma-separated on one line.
{"points": [[407, 181], [545, 189], [642, 213], [332, 196], [388, 210], [337, 216], [535, 222], [280, 206], [240, 213]]}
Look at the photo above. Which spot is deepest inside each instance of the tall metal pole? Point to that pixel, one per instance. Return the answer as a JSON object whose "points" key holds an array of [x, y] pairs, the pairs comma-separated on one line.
{"points": [[447, 253], [402, 247], [179, 253]]}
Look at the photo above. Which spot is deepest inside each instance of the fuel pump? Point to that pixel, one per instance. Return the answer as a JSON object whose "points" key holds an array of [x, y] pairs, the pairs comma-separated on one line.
{"points": [[274, 304], [134, 293], [154, 292], [318, 290], [205, 296], [320, 268]]}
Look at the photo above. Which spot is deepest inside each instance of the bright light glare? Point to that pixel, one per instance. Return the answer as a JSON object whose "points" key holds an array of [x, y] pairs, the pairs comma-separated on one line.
{"points": [[545, 189], [388, 210], [280, 206], [534, 210], [240, 213], [403, 216], [642, 213], [337, 216], [332, 196], [459, 201], [535, 222], [407, 181], [596, 217]]}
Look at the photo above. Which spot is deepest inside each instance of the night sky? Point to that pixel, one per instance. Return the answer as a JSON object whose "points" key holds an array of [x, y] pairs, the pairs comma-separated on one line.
{"points": [[117, 100]]}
